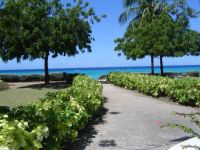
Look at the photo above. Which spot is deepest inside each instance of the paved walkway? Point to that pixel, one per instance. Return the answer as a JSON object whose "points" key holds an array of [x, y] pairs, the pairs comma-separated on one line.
{"points": [[131, 121]]}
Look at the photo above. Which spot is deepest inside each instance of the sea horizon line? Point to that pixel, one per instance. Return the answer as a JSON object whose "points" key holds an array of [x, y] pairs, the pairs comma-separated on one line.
{"points": [[72, 68]]}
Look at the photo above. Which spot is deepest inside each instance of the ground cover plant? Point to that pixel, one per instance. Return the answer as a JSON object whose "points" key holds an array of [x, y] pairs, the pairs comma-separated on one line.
{"points": [[57, 117], [184, 90], [194, 118]]}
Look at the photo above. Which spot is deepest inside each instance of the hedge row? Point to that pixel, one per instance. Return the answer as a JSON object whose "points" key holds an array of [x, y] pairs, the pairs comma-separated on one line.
{"points": [[57, 117], [182, 90], [36, 77]]}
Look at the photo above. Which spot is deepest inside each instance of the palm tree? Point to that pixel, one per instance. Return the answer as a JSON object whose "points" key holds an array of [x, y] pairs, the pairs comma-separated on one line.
{"points": [[136, 11]]}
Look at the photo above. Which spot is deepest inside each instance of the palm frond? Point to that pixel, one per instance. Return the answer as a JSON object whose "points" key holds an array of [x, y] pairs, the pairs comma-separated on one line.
{"points": [[128, 3], [135, 21], [123, 18], [130, 13]]}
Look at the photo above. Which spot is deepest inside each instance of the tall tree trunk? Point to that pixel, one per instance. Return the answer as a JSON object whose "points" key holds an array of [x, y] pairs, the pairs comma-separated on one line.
{"points": [[46, 67], [152, 65], [161, 66]]}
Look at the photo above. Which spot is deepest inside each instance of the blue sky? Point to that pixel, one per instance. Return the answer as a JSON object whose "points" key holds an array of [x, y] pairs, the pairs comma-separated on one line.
{"points": [[103, 54]]}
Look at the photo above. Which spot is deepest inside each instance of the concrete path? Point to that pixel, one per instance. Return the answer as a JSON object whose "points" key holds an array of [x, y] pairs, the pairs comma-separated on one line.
{"points": [[131, 121]]}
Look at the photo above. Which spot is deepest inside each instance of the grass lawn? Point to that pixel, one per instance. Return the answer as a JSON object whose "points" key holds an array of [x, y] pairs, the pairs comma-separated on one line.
{"points": [[25, 93]]}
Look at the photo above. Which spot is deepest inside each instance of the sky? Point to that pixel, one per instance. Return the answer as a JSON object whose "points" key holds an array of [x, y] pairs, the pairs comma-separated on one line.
{"points": [[103, 54]]}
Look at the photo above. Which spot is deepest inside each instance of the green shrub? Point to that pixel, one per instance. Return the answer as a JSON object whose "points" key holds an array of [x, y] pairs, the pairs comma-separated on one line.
{"points": [[36, 77], [185, 91], [16, 135], [193, 74], [10, 78], [151, 85], [182, 90], [3, 85], [87, 96], [30, 78], [69, 78], [4, 109], [63, 113]]}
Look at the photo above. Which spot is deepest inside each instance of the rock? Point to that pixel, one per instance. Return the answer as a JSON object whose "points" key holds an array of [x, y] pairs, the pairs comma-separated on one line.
{"points": [[193, 74], [103, 79]]}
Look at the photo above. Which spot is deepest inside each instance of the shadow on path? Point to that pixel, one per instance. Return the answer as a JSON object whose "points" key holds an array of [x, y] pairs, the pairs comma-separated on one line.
{"points": [[181, 139], [87, 135], [114, 112], [54, 85], [108, 143]]}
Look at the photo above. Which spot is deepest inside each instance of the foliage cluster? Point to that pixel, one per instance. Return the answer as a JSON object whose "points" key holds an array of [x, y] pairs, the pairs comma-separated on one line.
{"points": [[193, 74], [3, 85], [185, 91], [36, 77], [158, 28], [57, 117], [31, 29]]}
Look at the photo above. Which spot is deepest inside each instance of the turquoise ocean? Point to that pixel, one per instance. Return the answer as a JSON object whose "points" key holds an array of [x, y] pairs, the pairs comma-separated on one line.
{"points": [[95, 73]]}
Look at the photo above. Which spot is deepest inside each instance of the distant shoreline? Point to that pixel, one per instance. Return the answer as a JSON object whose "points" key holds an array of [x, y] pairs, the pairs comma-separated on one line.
{"points": [[83, 68], [95, 73]]}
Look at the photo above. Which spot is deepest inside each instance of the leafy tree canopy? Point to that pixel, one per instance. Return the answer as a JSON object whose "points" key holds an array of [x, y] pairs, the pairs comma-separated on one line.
{"points": [[158, 28], [155, 37], [31, 29]]}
